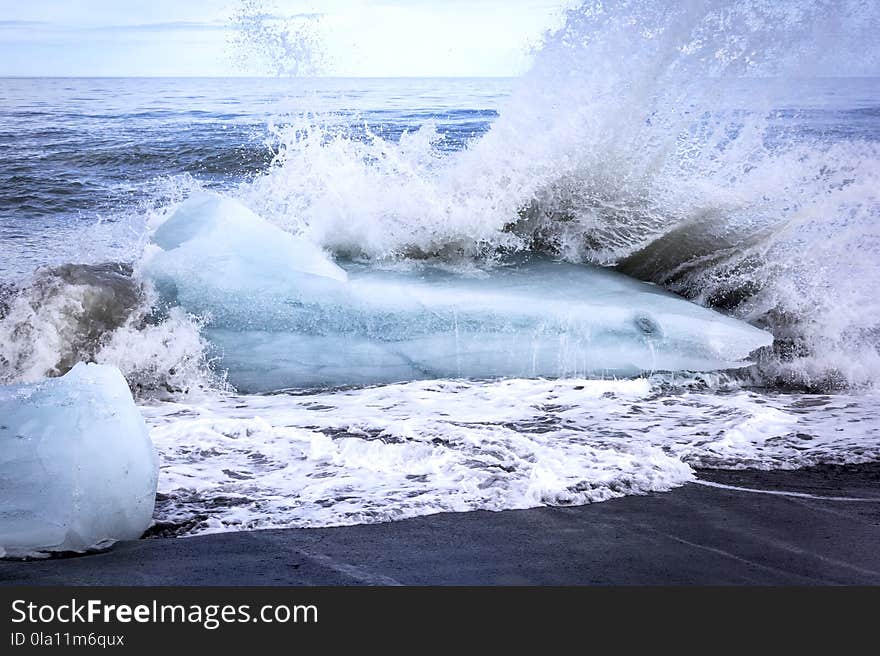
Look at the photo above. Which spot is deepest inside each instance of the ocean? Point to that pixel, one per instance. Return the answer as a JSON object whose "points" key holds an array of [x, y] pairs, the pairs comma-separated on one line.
{"points": [[744, 184]]}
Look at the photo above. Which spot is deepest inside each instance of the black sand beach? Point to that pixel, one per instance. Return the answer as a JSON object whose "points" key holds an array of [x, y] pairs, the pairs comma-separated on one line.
{"points": [[698, 534]]}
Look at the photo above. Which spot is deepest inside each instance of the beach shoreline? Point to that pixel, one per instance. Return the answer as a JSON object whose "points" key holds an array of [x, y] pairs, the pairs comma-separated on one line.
{"points": [[819, 525]]}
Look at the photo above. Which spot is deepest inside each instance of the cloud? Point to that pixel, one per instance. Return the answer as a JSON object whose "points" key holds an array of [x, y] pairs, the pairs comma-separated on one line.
{"points": [[171, 26], [350, 38], [14, 24]]}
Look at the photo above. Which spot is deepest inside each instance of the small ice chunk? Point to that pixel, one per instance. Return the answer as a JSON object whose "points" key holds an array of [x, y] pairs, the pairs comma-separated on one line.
{"points": [[77, 468]]}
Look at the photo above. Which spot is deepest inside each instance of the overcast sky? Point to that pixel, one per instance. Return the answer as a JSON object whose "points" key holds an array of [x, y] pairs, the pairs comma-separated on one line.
{"points": [[197, 37]]}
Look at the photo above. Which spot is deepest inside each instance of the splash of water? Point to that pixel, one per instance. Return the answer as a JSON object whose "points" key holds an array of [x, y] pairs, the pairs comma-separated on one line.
{"points": [[644, 137], [264, 40]]}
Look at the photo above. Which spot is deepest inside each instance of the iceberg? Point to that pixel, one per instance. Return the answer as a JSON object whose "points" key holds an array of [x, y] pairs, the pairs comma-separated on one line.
{"points": [[77, 468], [281, 314]]}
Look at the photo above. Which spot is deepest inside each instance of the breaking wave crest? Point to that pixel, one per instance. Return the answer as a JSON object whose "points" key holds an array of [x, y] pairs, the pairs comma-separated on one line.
{"points": [[100, 313]]}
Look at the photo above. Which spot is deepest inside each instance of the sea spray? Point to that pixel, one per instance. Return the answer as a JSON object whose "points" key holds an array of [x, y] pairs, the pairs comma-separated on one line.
{"points": [[646, 136], [101, 314]]}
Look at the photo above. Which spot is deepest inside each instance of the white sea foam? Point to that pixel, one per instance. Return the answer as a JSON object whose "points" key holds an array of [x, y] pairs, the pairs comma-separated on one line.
{"points": [[74, 314], [390, 452]]}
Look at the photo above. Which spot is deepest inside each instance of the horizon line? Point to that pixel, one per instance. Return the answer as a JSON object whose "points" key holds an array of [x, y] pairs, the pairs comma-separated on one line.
{"points": [[258, 77]]}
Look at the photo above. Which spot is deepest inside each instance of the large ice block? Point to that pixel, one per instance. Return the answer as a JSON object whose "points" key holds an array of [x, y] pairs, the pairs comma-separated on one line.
{"points": [[77, 467], [282, 314]]}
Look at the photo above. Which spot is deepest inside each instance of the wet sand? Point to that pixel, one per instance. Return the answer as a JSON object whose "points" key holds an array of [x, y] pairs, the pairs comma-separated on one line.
{"points": [[776, 532]]}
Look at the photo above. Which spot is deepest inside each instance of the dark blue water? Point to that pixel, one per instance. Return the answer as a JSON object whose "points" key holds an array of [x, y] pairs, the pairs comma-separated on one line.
{"points": [[86, 149], [80, 151]]}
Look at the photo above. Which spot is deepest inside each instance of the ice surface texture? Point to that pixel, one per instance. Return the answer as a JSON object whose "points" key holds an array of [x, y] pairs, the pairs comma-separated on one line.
{"points": [[282, 314], [77, 467]]}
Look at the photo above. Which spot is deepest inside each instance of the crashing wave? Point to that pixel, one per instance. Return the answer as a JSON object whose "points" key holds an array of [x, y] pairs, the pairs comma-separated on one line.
{"points": [[628, 144], [647, 137], [99, 313]]}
